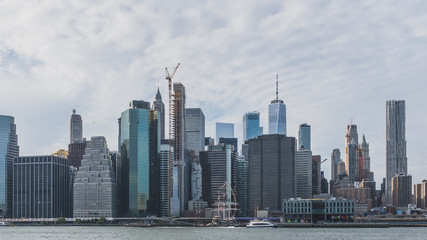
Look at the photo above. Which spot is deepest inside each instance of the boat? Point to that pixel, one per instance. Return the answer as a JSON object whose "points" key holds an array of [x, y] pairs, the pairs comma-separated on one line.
{"points": [[260, 224], [4, 223]]}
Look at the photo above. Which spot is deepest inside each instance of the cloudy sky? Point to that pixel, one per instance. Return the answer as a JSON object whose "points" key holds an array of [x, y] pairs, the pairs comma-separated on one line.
{"points": [[338, 61]]}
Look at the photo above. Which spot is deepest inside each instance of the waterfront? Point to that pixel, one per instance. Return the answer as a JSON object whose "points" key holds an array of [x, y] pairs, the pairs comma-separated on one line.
{"points": [[118, 232]]}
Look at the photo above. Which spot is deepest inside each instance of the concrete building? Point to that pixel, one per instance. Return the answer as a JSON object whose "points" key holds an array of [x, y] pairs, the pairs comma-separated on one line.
{"points": [[401, 190], [95, 183], [314, 210], [140, 155], [224, 130], [9, 149], [420, 194], [195, 130], [277, 114], [316, 176], [271, 172], [335, 158], [340, 167], [352, 153], [396, 144], [76, 127], [41, 187], [304, 137], [303, 173], [251, 128], [159, 106]]}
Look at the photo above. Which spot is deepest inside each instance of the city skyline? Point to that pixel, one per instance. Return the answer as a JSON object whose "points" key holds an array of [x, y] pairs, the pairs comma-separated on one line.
{"points": [[347, 70]]}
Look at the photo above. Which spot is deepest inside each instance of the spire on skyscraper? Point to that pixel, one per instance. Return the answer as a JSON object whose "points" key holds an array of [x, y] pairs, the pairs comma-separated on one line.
{"points": [[277, 85]]}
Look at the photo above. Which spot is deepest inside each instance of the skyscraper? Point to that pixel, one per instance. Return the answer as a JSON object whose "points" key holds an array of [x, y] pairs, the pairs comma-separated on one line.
{"points": [[420, 194], [303, 172], [41, 186], [271, 171], [352, 153], [224, 130], [304, 136], [240, 184], [178, 122], [76, 127], [159, 106], [251, 128], [166, 189], [8, 151], [396, 162], [335, 158], [95, 183], [140, 149], [316, 174], [277, 114], [364, 147], [195, 129], [401, 190]]}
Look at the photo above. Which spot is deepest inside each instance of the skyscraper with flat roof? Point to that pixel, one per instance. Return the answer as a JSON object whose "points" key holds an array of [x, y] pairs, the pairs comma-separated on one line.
{"points": [[76, 127], [401, 190], [251, 128], [303, 173], [304, 137], [277, 114], [397, 162], [8, 151], [224, 130], [195, 129]]}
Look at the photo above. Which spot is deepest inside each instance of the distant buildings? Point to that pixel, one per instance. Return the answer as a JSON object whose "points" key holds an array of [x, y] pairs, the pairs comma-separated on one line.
{"points": [[95, 184], [303, 173], [195, 129], [271, 172], [76, 127], [352, 157], [251, 128], [304, 136], [420, 194], [277, 114], [8, 151], [335, 159], [159, 106], [401, 190], [140, 149], [396, 144], [224, 130], [41, 187]]}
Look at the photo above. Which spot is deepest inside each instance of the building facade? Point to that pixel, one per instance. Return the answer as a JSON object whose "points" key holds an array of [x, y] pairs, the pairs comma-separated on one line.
{"points": [[251, 128], [140, 154], [303, 173], [195, 130], [352, 153], [224, 130], [76, 127], [420, 194], [335, 158], [316, 176], [41, 187], [76, 150], [271, 172], [9, 149], [401, 190], [159, 106], [396, 161], [304, 137], [95, 184]]}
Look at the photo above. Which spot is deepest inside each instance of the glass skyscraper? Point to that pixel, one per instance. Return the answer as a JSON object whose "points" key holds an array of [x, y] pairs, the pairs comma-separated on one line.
{"points": [[8, 151], [195, 129], [277, 117], [251, 127], [140, 149], [304, 137], [225, 130]]}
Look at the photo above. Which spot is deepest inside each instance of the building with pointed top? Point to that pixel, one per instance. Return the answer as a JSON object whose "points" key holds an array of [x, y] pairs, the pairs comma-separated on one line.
{"points": [[159, 106], [277, 114], [352, 153]]}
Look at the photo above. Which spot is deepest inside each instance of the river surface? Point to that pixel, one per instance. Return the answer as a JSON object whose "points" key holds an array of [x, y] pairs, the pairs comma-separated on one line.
{"points": [[169, 233]]}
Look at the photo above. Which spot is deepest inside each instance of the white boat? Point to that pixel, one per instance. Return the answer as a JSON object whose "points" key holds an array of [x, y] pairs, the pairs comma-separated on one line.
{"points": [[4, 223], [260, 224]]}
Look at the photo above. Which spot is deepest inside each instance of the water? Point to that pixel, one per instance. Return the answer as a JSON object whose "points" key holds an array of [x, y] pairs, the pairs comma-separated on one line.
{"points": [[116, 233]]}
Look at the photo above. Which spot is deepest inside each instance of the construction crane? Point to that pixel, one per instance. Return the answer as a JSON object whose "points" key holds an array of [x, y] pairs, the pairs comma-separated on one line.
{"points": [[324, 160], [169, 78]]}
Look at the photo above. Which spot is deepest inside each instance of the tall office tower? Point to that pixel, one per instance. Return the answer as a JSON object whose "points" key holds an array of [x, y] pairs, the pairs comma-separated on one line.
{"points": [[8, 151], [216, 172], [271, 171], [251, 126], [95, 183], [316, 177], [195, 130], [303, 172], [224, 130], [166, 189], [178, 124], [401, 190], [352, 153], [140, 149], [240, 184], [116, 161], [76, 127], [335, 158], [41, 187], [277, 114], [159, 106], [76, 150], [304, 136], [397, 162], [420, 194]]}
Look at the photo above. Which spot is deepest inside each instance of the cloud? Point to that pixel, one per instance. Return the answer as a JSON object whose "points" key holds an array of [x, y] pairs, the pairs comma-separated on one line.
{"points": [[336, 61]]}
